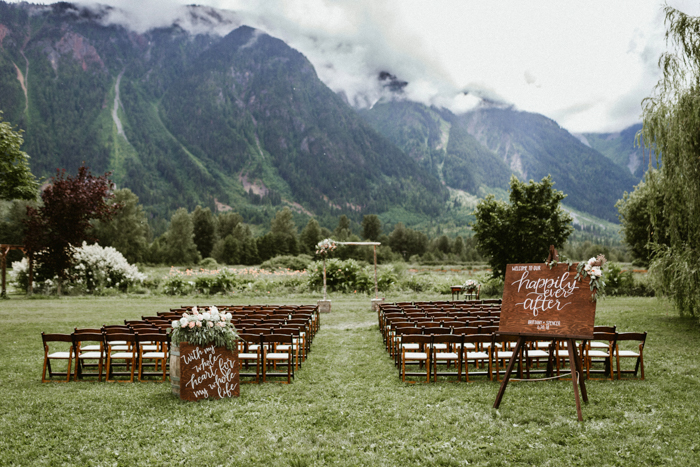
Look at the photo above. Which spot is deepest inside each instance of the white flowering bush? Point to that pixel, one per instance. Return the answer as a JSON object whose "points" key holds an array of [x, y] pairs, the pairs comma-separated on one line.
{"points": [[324, 247], [470, 286], [205, 328], [101, 268], [96, 269]]}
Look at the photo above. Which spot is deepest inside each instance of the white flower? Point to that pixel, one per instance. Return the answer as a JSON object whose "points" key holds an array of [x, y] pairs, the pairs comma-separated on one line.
{"points": [[183, 321], [206, 315], [176, 324], [228, 316], [591, 261], [213, 309], [195, 310]]}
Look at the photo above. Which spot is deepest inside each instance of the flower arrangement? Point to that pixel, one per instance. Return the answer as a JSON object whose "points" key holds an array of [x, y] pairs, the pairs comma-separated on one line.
{"points": [[325, 246], [208, 327], [470, 286], [593, 269]]}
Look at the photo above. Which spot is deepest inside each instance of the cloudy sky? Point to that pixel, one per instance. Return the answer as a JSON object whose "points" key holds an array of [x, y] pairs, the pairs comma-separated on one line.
{"points": [[587, 65]]}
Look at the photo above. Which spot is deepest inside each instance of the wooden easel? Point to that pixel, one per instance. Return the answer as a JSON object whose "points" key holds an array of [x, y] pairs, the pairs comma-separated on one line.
{"points": [[574, 361]]}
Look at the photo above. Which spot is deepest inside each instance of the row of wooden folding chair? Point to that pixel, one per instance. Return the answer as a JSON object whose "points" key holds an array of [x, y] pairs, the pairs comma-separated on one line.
{"points": [[104, 350], [268, 351]]}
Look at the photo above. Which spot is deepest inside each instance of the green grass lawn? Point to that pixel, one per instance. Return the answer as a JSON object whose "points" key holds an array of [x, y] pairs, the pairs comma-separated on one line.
{"points": [[347, 405]]}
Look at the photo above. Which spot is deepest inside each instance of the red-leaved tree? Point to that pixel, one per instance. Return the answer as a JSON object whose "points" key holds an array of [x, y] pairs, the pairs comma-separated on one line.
{"points": [[63, 221]]}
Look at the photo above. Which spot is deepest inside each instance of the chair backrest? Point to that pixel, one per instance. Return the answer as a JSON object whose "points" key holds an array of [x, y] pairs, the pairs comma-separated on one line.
{"points": [[631, 336], [605, 329], [88, 337], [408, 330], [437, 331], [87, 331], [478, 338], [277, 339], [448, 338], [416, 339], [119, 337], [465, 330], [152, 337], [46, 338]]}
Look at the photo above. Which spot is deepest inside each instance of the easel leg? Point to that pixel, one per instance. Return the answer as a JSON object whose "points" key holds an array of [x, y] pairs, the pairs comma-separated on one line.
{"points": [[581, 379], [506, 377], [575, 376]]}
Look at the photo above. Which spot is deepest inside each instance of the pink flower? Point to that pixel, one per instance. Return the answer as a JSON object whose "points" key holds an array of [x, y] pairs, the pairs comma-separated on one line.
{"points": [[199, 324], [210, 324], [191, 325]]}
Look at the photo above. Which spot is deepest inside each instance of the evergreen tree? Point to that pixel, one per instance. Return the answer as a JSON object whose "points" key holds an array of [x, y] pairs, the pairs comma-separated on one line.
{"points": [[180, 247], [226, 222], [204, 230], [522, 230], [284, 234], [127, 231], [343, 231], [407, 242], [310, 237], [371, 227], [458, 247]]}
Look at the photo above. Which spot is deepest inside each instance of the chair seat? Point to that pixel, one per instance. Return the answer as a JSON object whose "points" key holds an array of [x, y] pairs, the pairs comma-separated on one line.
{"points": [[153, 355], [597, 354], [416, 355], [61, 355], [410, 346], [122, 355], [446, 356], [253, 347], [277, 356], [149, 347], [468, 345], [440, 346], [477, 355], [248, 356], [91, 355], [627, 353], [537, 354], [120, 347], [599, 345], [284, 348], [88, 348], [504, 354]]}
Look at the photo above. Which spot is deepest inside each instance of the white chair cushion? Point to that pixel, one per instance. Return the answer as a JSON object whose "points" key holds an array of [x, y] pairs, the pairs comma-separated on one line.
{"points": [[122, 355], [627, 353], [597, 354], [61, 355], [599, 345], [410, 346], [248, 356], [446, 356], [416, 356], [277, 356], [153, 355], [91, 355], [477, 355], [87, 348], [149, 347], [537, 354]]}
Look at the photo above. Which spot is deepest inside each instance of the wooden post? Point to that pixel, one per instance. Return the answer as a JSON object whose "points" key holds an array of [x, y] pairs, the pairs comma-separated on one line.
{"points": [[3, 255], [506, 377], [30, 284], [324, 278], [376, 287]]}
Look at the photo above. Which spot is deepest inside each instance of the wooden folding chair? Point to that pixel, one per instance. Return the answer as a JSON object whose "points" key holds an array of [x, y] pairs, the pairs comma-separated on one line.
{"points": [[451, 354], [115, 344], [89, 352], [421, 357], [597, 353], [249, 350], [475, 351], [625, 353], [156, 347], [48, 340], [272, 358]]}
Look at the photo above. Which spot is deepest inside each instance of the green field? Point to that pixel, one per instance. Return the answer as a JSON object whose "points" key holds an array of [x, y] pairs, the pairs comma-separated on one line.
{"points": [[347, 405]]}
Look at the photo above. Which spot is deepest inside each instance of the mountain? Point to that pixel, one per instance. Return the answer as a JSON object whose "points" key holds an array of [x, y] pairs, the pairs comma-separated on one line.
{"points": [[477, 152], [186, 119], [620, 148]]}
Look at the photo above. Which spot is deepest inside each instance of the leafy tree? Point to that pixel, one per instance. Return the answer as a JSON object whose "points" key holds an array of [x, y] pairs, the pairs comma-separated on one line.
{"points": [[204, 230], [310, 237], [458, 247], [671, 118], [371, 227], [407, 242], [284, 233], [180, 247], [62, 223], [522, 230], [343, 231], [16, 179], [127, 231], [443, 245], [226, 222], [636, 211]]}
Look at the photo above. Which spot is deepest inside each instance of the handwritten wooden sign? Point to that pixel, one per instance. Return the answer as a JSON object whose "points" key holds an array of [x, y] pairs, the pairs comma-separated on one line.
{"points": [[208, 371], [546, 302]]}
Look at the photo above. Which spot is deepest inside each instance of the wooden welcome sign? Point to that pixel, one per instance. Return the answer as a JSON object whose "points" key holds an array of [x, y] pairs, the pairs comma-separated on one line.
{"points": [[548, 303], [207, 371]]}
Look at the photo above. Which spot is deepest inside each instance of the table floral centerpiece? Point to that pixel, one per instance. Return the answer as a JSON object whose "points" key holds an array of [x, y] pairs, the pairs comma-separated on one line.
{"points": [[470, 286]]}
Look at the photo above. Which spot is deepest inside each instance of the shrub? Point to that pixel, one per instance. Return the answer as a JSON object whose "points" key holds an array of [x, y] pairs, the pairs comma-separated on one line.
{"points": [[209, 263], [340, 275], [177, 284], [624, 283], [295, 263]]}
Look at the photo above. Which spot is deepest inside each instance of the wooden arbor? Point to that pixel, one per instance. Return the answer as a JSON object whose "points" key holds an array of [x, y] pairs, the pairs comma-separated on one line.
{"points": [[4, 250]]}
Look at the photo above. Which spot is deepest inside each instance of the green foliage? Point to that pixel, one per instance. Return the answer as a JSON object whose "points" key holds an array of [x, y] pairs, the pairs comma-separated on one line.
{"points": [[522, 230], [407, 242], [16, 178], [177, 284], [204, 230], [180, 247], [310, 236], [642, 217], [127, 231], [371, 227], [671, 117], [340, 275], [295, 263], [284, 233]]}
